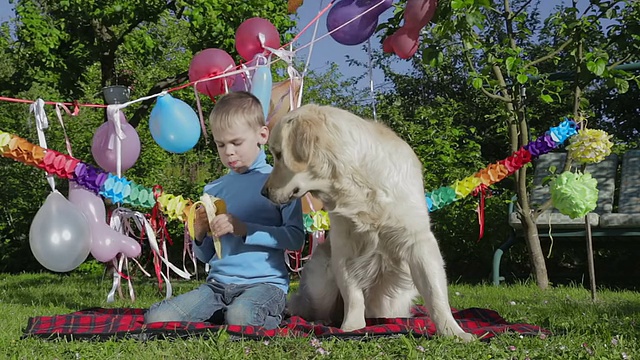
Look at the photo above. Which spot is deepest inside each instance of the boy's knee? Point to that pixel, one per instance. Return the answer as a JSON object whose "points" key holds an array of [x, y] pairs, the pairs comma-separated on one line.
{"points": [[152, 316], [245, 313], [163, 312]]}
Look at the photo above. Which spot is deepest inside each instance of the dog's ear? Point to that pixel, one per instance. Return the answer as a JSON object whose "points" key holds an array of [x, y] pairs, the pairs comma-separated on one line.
{"points": [[302, 139]]}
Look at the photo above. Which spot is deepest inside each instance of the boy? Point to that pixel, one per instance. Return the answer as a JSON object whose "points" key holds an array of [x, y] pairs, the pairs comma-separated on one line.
{"points": [[248, 283]]}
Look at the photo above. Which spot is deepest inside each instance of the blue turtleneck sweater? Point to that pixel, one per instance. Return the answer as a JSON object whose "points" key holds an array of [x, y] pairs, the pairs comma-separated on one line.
{"points": [[258, 257]]}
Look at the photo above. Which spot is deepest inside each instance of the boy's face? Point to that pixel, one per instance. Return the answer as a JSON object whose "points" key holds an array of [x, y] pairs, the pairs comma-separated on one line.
{"points": [[239, 146]]}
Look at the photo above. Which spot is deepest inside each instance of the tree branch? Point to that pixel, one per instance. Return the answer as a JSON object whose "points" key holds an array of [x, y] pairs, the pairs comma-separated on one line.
{"points": [[485, 91], [160, 86], [138, 20], [549, 55], [612, 66], [524, 6], [494, 96]]}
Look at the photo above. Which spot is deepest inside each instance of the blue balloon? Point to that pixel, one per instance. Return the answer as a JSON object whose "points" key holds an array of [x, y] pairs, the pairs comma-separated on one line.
{"points": [[261, 87], [174, 125]]}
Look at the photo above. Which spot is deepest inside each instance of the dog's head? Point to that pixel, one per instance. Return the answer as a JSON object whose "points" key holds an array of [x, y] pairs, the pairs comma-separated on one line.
{"points": [[301, 148]]}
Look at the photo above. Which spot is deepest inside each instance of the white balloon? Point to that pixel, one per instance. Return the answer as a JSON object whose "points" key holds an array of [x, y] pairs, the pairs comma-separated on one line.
{"points": [[59, 236]]}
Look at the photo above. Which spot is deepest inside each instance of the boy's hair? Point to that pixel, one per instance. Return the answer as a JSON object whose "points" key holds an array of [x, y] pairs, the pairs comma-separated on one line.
{"points": [[235, 108]]}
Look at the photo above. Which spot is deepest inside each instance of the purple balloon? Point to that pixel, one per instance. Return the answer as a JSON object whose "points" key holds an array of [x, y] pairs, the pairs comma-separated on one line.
{"points": [[242, 81], [359, 30], [103, 146], [106, 243]]}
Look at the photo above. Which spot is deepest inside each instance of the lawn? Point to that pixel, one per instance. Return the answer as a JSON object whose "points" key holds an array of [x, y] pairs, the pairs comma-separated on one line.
{"points": [[606, 329]]}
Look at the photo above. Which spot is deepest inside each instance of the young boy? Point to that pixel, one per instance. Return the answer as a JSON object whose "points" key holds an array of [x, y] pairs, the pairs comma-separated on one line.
{"points": [[248, 283]]}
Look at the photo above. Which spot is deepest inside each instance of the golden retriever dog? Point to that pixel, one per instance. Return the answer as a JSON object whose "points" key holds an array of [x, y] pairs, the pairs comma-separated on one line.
{"points": [[381, 247]]}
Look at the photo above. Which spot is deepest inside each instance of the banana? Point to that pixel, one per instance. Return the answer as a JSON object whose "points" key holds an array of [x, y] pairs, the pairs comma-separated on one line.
{"points": [[213, 206]]}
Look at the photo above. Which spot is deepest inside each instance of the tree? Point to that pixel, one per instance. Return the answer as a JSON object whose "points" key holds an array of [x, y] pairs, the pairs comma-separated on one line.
{"points": [[494, 40]]}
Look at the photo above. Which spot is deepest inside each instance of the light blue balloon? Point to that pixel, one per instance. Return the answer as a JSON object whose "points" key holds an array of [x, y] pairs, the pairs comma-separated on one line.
{"points": [[174, 125], [261, 87]]}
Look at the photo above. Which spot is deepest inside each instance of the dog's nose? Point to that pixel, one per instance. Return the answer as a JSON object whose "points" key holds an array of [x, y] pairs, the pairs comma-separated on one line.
{"points": [[265, 192]]}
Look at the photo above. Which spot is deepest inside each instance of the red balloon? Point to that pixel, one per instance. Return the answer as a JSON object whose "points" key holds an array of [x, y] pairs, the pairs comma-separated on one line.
{"points": [[247, 40], [404, 42], [208, 63]]}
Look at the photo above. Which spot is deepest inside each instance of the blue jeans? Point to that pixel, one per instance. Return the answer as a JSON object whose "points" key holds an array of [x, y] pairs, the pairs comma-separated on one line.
{"points": [[255, 305]]}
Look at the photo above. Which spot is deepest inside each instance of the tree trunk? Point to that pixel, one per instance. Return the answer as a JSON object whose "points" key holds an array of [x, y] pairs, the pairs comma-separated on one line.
{"points": [[107, 68], [528, 220], [535, 252]]}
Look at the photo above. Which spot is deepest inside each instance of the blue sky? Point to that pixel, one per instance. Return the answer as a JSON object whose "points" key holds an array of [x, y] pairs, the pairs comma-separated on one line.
{"points": [[326, 50]]}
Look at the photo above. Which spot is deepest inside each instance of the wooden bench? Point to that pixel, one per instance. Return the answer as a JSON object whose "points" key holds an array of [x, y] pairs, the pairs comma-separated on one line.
{"points": [[614, 216]]}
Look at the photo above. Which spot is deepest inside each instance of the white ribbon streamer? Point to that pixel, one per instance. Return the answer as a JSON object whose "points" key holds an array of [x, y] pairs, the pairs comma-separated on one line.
{"points": [[42, 123]]}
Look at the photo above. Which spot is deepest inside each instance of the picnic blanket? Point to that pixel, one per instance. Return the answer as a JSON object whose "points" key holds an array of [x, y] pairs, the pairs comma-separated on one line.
{"points": [[103, 324]]}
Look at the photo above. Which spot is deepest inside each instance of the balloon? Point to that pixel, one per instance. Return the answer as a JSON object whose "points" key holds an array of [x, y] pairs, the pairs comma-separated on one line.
{"points": [[59, 235], [208, 63], [106, 242], [261, 87], [247, 41], [103, 146], [174, 125], [404, 42], [293, 5], [242, 81], [359, 30]]}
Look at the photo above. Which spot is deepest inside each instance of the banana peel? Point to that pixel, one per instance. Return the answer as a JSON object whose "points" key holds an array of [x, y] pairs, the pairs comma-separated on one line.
{"points": [[213, 206]]}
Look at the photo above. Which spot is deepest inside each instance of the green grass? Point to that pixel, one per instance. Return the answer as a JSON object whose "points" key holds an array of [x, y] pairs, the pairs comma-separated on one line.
{"points": [[606, 329]]}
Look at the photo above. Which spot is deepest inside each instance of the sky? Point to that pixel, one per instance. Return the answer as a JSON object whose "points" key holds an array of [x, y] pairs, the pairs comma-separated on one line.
{"points": [[325, 50]]}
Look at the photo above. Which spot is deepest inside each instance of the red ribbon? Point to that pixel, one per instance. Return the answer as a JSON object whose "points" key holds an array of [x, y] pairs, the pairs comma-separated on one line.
{"points": [[159, 224]]}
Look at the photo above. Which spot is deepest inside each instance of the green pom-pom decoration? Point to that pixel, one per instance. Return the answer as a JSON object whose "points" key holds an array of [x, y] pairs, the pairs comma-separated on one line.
{"points": [[574, 194]]}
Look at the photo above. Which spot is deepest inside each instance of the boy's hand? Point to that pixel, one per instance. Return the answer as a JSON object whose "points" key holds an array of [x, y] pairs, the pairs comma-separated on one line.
{"points": [[200, 224], [227, 224]]}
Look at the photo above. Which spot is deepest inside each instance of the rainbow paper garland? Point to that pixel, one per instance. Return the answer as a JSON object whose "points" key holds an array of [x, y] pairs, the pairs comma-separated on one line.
{"points": [[494, 173], [116, 189], [120, 190], [316, 221]]}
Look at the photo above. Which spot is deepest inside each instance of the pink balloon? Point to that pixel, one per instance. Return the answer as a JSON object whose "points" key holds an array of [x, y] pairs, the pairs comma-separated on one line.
{"points": [[247, 40], [89, 203], [103, 146], [106, 243], [208, 63], [404, 42]]}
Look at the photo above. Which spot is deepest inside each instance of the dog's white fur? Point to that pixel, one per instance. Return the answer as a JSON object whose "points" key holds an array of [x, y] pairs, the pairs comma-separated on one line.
{"points": [[381, 242]]}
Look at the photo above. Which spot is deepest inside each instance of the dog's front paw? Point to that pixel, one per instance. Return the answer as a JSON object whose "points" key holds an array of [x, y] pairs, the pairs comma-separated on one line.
{"points": [[465, 337], [353, 325]]}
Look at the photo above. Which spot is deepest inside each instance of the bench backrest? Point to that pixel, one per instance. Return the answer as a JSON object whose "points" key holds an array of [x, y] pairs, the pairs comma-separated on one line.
{"points": [[629, 199], [604, 171]]}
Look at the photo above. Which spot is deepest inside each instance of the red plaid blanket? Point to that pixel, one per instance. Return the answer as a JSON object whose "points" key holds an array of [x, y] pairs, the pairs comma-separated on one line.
{"points": [[102, 324]]}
